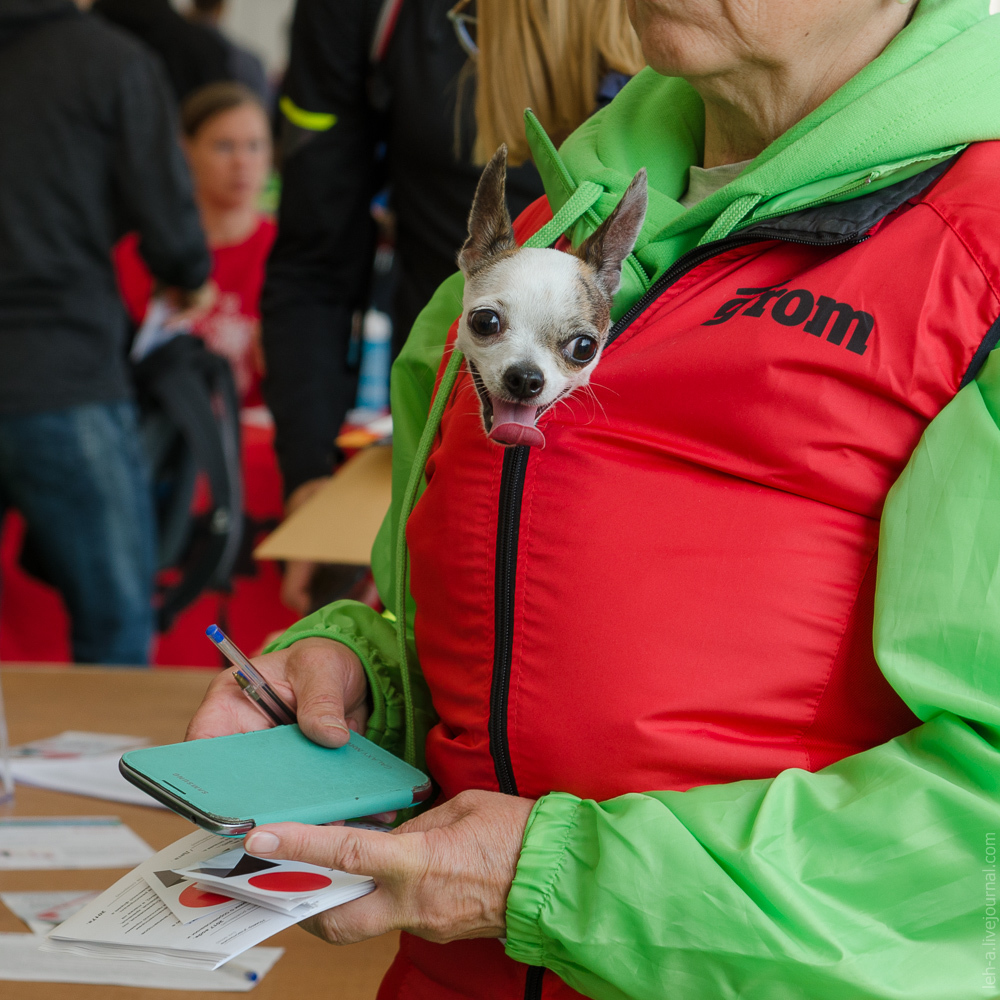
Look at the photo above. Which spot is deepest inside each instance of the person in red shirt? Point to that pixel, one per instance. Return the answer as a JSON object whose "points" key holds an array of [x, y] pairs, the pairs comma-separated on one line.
{"points": [[227, 141]]}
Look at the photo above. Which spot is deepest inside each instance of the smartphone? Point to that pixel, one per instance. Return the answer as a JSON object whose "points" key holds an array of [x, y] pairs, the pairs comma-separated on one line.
{"points": [[230, 784]]}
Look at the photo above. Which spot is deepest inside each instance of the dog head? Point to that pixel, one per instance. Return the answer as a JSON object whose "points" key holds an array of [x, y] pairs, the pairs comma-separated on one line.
{"points": [[534, 322]]}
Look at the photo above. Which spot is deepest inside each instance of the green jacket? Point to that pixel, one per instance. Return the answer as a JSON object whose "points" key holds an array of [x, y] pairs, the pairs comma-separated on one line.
{"points": [[771, 888]]}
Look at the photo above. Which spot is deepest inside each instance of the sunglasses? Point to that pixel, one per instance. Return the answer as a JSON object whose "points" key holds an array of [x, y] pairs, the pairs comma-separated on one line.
{"points": [[462, 24]]}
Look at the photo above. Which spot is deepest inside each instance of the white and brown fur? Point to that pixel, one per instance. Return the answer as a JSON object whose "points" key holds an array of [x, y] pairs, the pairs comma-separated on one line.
{"points": [[526, 312]]}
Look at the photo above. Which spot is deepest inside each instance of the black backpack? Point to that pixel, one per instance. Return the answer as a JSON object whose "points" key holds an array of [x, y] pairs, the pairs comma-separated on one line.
{"points": [[190, 423]]}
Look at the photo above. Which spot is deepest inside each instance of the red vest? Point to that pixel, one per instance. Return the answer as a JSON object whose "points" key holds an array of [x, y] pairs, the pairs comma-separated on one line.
{"points": [[691, 598]]}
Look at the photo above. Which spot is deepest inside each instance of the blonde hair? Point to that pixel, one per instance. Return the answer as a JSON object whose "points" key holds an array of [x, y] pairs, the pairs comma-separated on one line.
{"points": [[547, 55]]}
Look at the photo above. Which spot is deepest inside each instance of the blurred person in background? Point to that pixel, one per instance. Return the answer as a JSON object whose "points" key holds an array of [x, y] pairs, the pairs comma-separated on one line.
{"points": [[573, 58], [366, 72], [244, 66], [89, 144], [192, 54], [227, 141]]}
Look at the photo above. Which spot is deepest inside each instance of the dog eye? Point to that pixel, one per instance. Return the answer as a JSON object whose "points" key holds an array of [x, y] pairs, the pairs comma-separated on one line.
{"points": [[484, 323], [582, 349]]}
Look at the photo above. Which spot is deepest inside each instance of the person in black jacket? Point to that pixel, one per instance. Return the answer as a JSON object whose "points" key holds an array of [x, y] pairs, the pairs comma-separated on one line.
{"points": [[242, 65], [89, 150], [350, 88], [193, 54]]}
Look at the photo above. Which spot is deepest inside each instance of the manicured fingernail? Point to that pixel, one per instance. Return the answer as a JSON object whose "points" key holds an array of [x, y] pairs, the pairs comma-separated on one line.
{"points": [[262, 843], [332, 722]]}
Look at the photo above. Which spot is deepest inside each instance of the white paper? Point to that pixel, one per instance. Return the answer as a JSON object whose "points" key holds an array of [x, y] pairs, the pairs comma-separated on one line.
{"points": [[300, 909], [42, 911], [44, 842], [96, 776], [156, 329], [129, 920], [22, 959], [74, 743]]}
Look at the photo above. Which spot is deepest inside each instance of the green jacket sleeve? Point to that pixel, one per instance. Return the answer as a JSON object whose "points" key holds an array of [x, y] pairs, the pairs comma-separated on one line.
{"points": [[373, 636], [873, 878]]}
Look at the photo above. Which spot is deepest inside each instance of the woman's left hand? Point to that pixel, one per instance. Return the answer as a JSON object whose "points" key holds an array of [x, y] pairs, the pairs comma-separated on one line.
{"points": [[443, 876]]}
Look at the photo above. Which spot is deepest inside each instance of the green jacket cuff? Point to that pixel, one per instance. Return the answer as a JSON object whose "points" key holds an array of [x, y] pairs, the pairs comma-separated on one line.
{"points": [[371, 637], [543, 853]]}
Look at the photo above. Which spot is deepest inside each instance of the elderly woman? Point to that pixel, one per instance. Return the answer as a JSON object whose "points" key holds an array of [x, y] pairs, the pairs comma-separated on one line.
{"points": [[640, 660]]}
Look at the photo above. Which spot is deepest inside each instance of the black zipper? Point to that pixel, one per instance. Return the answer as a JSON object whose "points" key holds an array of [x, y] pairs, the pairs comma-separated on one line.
{"points": [[533, 982], [515, 463]]}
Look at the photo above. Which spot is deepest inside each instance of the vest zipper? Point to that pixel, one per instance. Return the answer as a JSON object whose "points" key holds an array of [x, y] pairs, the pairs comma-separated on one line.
{"points": [[533, 982], [515, 464]]}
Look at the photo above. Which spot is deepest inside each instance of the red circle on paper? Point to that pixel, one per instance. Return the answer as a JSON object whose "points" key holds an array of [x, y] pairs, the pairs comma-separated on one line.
{"points": [[193, 896], [291, 881]]}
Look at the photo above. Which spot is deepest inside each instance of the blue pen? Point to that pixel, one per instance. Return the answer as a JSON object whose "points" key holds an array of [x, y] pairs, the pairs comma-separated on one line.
{"points": [[250, 681], [241, 971]]}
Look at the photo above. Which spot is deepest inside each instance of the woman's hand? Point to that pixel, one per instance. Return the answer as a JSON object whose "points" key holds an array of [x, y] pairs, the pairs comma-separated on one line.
{"points": [[189, 305], [443, 876], [322, 680]]}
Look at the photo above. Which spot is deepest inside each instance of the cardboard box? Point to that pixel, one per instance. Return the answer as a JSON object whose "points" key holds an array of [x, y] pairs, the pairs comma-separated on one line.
{"points": [[339, 522]]}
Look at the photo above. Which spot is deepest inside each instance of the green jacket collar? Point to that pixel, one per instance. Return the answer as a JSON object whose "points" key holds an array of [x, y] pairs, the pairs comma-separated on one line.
{"points": [[934, 89]]}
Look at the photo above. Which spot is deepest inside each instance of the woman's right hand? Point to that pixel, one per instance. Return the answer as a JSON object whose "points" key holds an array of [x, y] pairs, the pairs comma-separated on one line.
{"points": [[322, 680]]}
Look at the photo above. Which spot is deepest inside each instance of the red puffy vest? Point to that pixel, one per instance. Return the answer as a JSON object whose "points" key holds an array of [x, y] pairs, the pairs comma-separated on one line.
{"points": [[677, 590]]}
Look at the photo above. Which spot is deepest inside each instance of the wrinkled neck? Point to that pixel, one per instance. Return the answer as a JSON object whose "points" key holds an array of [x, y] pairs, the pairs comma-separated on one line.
{"points": [[761, 97]]}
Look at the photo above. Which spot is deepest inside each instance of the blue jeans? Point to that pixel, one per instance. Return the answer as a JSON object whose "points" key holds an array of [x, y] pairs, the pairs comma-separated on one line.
{"points": [[79, 478]]}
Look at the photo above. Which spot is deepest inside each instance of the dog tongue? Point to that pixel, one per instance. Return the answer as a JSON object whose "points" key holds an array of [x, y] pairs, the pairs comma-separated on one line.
{"points": [[514, 423]]}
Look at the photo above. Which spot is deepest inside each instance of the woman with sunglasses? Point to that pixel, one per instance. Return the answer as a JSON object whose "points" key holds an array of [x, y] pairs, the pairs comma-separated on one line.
{"points": [[709, 684]]}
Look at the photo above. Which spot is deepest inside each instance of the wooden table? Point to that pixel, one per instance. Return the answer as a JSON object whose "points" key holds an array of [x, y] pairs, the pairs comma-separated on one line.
{"points": [[157, 704]]}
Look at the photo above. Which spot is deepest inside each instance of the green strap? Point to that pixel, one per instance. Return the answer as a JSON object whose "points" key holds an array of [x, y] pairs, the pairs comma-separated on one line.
{"points": [[584, 198], [731, 218], [402, 569]]}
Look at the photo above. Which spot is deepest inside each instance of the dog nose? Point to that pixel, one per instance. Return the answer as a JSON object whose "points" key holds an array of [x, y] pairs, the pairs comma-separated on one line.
{"points": [[523, 382]]}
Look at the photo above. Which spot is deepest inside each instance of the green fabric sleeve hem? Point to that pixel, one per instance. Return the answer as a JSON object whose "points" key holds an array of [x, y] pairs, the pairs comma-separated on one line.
{"points": [[373, 639], [543, 854]]}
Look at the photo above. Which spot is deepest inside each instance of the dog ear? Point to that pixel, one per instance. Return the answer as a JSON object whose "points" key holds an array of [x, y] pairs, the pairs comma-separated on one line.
{"points": [[490, 231], [608, 246]]}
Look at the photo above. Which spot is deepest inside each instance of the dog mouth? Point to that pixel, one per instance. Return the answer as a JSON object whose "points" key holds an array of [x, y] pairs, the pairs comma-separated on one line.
{"points": [[508, 423]]}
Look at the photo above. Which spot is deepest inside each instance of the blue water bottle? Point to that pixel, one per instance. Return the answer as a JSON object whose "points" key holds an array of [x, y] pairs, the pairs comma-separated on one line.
{"points": [[376, 360]]}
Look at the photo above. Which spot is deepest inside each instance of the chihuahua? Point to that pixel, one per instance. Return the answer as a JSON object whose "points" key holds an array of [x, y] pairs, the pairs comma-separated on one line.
{"points": [[534, 322]]}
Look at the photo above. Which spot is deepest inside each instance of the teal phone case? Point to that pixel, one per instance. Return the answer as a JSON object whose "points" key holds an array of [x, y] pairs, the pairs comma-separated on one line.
{"points": [[231, 784]]}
